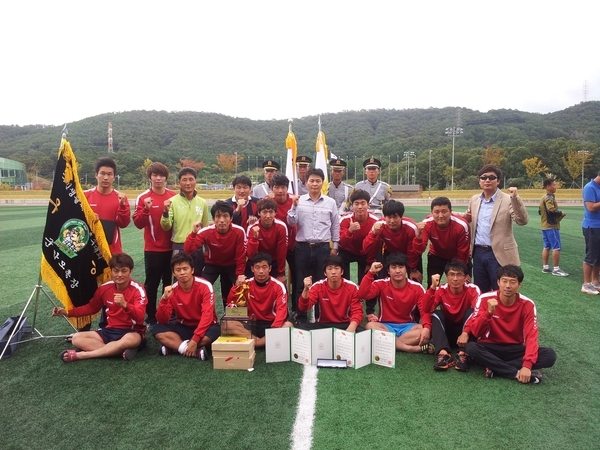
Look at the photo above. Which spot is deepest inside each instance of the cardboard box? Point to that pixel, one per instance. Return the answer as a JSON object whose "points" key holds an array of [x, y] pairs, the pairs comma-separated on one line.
{"points": [[233, 362], [233, 345]]}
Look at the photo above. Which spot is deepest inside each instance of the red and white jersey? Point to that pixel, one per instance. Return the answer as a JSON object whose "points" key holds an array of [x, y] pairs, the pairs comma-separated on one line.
{"points": [[109, 209], [267, 301], [353, 242], [453, 305], [222, 249], [514, 324], [397, 305], [450, 242], [194, 308], [339, 305], [155, 238], [273, 241], [131, 317], [393, 241], [281, 214]]}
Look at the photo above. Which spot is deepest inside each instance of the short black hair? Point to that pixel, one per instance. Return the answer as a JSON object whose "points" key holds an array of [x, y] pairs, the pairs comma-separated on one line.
{"points": [[260, 257], [243, 180], [360, 194], [547, 182], [266, 203], [121, 260], [511, 271], [186, 171], [317, 172], [222, 207], [279, 179], [490, 168], [105, 162], [441, 201], [456, 264], [181, 257], [392, 208], [157, 168], [396, 259], [333, 260]]}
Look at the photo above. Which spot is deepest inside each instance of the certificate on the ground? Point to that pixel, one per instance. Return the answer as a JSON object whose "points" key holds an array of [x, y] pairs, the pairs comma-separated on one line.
{"points": [[301, 346], [384, 348], [355, 348], [277, 344]]}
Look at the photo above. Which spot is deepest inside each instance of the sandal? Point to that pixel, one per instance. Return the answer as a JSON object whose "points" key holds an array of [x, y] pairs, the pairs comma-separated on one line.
{"points": [[428, 349], [68, 356], [69, 338]]}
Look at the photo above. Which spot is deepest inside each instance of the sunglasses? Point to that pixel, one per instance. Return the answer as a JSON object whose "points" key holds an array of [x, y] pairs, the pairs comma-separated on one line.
{"points": [[488, 177]]}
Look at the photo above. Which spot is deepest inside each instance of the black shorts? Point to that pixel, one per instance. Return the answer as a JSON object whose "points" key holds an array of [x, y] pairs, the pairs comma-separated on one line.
{"points": [[186, 332], [114, 334]]}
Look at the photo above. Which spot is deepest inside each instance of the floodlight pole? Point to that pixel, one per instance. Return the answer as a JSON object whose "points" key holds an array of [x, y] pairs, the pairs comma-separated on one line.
{"points": [[430, 174], [454, 132], [583, 154]]}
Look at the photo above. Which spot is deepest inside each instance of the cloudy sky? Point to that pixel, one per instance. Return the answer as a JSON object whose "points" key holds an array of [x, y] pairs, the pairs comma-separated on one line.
{"points": [[65, 61]]}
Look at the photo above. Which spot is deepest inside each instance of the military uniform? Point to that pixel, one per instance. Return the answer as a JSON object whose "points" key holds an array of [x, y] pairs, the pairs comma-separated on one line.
{"points": [[340, 193], [263, 189], [379, 191], [301, 187]]}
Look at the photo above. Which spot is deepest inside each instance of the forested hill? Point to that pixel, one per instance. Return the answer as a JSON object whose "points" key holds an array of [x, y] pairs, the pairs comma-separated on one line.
{"points": [[352, 135]]}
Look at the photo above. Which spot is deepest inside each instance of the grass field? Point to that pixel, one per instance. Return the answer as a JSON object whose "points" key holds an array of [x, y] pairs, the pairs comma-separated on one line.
{"points": [[175, 402]]}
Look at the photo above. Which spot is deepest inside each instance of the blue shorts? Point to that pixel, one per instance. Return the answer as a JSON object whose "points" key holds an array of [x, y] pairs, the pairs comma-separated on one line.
{"points": [[551, 239], [592, 246], [114, 334], [399, 328]]}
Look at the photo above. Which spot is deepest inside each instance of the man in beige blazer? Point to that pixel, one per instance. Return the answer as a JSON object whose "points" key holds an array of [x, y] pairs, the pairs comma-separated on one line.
{"points": [[491, 214]]}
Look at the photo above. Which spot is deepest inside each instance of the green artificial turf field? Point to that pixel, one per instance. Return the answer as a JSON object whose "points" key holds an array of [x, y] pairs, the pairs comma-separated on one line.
{"points": [[174, 402]]}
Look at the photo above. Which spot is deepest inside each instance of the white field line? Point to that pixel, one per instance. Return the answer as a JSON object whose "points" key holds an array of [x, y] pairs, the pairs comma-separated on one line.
{"points": [[305, 413]]}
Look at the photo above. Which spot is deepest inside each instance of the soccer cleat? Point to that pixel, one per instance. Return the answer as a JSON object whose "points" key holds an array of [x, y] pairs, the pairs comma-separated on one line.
{"points": [[130, 353], [461, 361], [444, 362], [202, 354], [560, 273], [536, 378], [589, 289], [548, 270], [489, 373]]}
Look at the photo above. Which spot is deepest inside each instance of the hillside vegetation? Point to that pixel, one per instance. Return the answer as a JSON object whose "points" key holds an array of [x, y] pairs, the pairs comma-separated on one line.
{"points": [[548, 142]]}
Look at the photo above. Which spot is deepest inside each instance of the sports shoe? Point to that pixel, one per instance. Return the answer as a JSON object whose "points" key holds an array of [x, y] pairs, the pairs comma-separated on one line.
{"points": [[548, 270], [536, 378], [560, 273], [164, 351], [589, 289], [130, 353], [461, 362], [202, 353], [444, 362], [489, 373], [596, 286]]}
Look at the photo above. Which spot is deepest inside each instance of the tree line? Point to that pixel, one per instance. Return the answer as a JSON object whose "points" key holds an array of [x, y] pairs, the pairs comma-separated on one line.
{"points": [[411, 144]]}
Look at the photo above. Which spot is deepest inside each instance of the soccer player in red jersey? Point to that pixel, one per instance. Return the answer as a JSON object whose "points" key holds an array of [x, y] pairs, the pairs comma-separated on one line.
{"points": [[158, 247], [125, 304], [448, 237], [269, 235], [506, 328], [110, 205], [191, 299], [456, 300], [335, 299], [225, 247], [399, 298], [266, 299]]}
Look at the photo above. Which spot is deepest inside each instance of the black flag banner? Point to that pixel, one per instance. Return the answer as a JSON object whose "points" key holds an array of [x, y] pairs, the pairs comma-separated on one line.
{"points": [[74, 249]]}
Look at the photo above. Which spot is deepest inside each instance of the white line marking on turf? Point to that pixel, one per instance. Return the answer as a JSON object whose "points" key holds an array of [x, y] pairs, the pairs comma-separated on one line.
{"points": [[305, 413]]}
